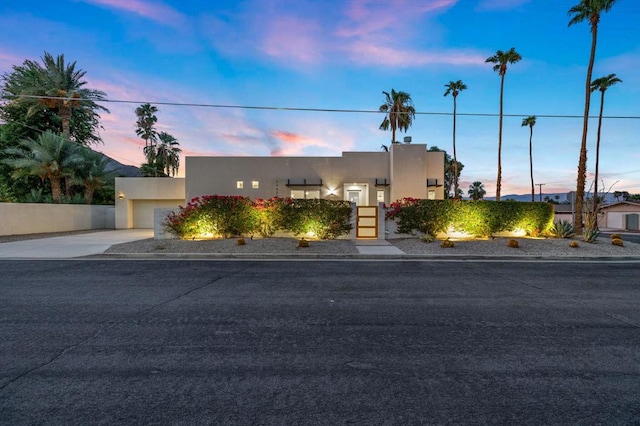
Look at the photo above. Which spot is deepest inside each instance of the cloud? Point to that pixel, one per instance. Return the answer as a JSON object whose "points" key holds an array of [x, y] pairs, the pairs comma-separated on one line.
{"points": [[374, 54], [491, 5], [155, 11]]}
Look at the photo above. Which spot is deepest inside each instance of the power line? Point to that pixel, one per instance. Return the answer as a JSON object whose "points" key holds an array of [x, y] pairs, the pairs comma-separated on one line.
{"points": [[328, 110]]}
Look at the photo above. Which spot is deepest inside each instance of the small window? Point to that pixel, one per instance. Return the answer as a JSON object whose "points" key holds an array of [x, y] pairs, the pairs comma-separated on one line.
{"points": [[432, 194], [305, 195], [255, 184], [380, 197], [239, 184]]}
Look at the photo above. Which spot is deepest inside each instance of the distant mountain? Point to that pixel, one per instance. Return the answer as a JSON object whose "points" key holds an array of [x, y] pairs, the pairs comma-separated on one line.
{"points": [[121, 170], [560, 197]]}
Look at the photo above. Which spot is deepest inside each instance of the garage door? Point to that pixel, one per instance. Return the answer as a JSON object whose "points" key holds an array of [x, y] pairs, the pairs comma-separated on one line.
{"points": [[143, 211]]}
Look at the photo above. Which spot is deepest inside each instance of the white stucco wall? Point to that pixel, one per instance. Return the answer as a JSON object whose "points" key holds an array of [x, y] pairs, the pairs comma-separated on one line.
{"points": [[34, 218], [145, 194]]}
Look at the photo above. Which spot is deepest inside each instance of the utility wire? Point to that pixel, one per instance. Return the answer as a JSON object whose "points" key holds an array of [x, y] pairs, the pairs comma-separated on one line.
{"points": [[330, 110]]}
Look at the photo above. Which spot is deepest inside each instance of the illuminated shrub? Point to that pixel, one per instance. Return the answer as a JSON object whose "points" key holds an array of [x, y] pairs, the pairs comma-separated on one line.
{"points": [[479, 218], [216, 216]]}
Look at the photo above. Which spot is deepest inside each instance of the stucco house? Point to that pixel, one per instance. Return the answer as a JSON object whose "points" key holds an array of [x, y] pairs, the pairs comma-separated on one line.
{"points": [[623, 215], [364, 178]]}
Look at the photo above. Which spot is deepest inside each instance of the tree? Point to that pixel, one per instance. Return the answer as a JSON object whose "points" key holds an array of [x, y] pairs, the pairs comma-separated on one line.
{"points": [[145, 126], [168, 154], [55, 87], [601, 84], [586, 10], [50, 157], [476, 191], [451, 171], [90, 172], [501, 59], [454, 88], [530, 121], [399, 110]]}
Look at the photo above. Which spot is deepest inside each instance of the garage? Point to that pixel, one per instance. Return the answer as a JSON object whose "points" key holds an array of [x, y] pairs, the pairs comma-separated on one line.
{"points": [[143, 211]]}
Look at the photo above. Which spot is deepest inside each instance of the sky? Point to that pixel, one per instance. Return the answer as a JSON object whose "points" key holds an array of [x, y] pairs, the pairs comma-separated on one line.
{"points": [[341, 55]]}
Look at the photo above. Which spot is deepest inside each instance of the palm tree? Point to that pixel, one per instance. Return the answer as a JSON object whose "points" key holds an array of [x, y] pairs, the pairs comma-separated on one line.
{"points": [[50, 157], [168, 154], [476, 191], [501, 59], [59, 87], [90, 172], [530, 121], [145, 126], [601, 84], [586, 10], [454, 88], [399, 110]]}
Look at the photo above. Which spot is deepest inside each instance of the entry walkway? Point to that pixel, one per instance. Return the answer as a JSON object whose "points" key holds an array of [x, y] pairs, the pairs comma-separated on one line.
{"points": [[69, 246], [376, 247]]}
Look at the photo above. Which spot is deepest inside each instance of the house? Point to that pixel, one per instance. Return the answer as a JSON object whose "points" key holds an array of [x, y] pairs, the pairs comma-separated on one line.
{"points": [[623, 215], [364, 178]]}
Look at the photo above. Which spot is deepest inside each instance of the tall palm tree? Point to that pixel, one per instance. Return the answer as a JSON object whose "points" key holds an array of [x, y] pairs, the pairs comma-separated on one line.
{"points": [[586, 10], [399, 110], [58, 86], [50, 157], [501, 59], [145, 125], [454, 88], [601, 84], [530, 121], [477, 191], [168, 154]]}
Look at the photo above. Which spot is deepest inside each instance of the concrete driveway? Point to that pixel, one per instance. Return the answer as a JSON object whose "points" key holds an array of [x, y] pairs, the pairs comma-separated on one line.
{"points": [[69, 246]]}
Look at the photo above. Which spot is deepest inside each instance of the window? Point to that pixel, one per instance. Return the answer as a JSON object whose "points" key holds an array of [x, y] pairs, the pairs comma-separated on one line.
{"points": [[432, 194], [255, 184], [380, 197], [239, 184], [305, 195]]}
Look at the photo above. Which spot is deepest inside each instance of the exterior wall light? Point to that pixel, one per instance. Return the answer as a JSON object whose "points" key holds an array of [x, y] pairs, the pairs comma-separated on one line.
{"points": [[120, 196]]}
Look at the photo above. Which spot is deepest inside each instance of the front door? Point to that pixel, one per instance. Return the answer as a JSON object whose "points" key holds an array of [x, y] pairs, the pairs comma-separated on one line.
{"points": [[357, 193], [354, 196]]}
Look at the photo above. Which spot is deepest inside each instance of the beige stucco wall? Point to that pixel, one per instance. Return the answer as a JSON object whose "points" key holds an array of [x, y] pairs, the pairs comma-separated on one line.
{"points": [[147, 194], [413, 165], [27, 218], [614, 216]]}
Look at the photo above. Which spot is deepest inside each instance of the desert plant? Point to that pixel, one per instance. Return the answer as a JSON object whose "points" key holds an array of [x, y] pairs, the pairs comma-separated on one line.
{"points": [[427, 238], [241, 241], [617, 242], [590, 230], [447, 244], [573, 244], [303, 243], [562, 229], [513, 243], [616, 237]]}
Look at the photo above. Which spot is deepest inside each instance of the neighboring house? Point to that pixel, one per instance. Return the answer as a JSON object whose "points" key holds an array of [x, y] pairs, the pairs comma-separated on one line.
{"points": [[365, 178], [563, 212], [623, 215]]}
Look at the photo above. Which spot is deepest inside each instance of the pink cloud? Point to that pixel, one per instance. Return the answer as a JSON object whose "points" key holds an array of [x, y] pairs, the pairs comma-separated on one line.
{"points": [[291, 37], [155, 11], [292, 143], [375, 54]]}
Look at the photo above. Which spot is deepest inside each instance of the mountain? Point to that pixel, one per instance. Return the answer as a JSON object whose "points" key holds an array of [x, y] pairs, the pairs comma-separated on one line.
{"points": [[121, 170]]}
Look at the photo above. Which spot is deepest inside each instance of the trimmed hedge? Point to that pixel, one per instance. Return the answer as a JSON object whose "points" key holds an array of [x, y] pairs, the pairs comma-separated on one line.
{"points": [[478, 218], [225, 216]]}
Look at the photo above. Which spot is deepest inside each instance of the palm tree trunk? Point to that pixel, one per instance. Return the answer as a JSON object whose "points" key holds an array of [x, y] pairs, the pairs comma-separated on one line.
{"points": [[533, 190], [455, 157], [595, 184], [56, 191], [499, 180], [582, 163], [65, 116]]}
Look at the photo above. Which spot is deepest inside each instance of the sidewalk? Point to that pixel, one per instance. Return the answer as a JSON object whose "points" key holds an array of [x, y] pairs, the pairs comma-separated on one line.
{"points": [[71, 246]]}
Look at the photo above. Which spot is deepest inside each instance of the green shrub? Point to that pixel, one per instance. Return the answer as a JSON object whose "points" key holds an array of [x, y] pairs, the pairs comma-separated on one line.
{"points": [[479, 218]]}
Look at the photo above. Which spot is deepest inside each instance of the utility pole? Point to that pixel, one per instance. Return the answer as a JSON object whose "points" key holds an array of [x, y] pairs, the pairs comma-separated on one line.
{"points": [[540, 185]]}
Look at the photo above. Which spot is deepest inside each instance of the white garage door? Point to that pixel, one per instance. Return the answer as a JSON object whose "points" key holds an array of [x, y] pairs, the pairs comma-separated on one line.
{"points": [[143, 211]]}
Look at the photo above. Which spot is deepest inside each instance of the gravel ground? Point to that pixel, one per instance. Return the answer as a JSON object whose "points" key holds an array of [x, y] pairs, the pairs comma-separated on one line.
{"points": [[551, 247], [494, 247], [258, 245]]}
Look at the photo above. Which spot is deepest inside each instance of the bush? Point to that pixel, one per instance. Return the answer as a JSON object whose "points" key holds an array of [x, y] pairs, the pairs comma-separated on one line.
{"points": [[513, 244], [616, 237], [303, 243], [241, 241], [617, 242], [478, 218], [573, 244], [216, 216], [447, 244]]}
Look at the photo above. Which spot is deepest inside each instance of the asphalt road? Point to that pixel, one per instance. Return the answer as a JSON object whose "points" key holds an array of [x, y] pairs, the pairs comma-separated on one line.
{"points": [[224, 342]]}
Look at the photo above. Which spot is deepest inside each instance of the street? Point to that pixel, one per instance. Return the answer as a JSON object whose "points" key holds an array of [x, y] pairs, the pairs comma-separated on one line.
{"points": [[314, 342]]}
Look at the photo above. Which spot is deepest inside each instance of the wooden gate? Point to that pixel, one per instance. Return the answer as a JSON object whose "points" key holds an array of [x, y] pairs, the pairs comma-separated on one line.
{"points": [[367, 222]]}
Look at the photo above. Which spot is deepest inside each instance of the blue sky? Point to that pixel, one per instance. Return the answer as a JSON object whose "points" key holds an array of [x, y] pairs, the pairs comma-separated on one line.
{"points": [[341, 55]]}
